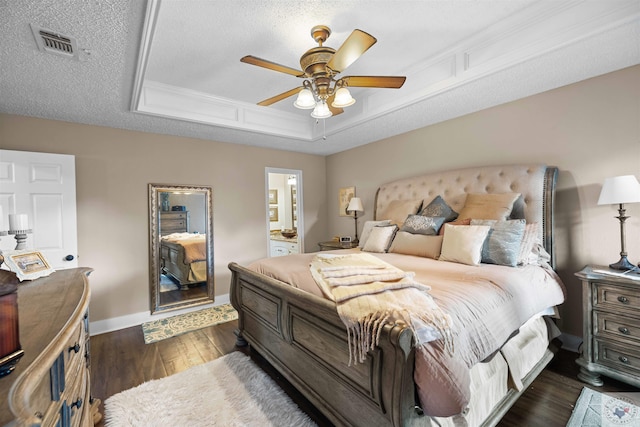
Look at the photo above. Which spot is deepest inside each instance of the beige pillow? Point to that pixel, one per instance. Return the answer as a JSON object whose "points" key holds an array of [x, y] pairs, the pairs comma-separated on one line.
{"points": [[366, 230], [398, 210], [488, 206], [380, 238], [463, 243], [416, 244]]}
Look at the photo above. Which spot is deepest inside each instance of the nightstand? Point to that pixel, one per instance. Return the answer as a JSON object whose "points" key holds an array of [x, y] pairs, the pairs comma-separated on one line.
{"points": [[334, 244], [611, 326]]}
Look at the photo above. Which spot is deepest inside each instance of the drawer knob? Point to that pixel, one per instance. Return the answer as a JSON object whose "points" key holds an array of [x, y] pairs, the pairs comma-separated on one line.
{"points": [[77, 403], [623, 300], [75, 348], [623, 359], [624, 330]]}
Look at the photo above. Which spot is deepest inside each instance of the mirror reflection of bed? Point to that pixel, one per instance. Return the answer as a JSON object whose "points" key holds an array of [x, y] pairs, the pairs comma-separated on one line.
{"points": [[181, 246]]}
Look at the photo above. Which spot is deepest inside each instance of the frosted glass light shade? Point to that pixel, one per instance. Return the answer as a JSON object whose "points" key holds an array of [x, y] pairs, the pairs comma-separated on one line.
{"points": [[343, 98], [620, 189], [321, 111], [305, 100]]}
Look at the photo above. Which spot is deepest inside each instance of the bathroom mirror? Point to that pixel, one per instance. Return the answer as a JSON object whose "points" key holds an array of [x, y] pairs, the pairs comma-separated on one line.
{"points": [[180, 246]]}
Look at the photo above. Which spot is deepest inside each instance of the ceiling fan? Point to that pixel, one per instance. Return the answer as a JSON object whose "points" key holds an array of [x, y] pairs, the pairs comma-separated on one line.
{"points": [[322, 90]]}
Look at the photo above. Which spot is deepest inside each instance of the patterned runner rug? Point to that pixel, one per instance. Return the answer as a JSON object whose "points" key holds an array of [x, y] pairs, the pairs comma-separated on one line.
{"points": [[157, 330], [605, 410], [228, 391]]}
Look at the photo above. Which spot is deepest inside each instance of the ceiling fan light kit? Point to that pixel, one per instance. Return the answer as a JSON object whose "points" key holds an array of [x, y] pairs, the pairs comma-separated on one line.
{"points": [[320, 90]]}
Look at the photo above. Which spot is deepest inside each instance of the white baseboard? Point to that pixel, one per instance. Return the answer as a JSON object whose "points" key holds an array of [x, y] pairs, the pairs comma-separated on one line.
{"points": [[116, 323], [570, 342]]}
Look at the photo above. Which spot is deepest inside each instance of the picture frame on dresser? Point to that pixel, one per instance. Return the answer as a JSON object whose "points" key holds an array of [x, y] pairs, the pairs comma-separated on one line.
{"points": [[28, 264]]}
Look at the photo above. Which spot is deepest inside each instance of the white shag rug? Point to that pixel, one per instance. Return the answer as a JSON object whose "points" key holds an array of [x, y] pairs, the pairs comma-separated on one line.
{"points": [[228, 391]]}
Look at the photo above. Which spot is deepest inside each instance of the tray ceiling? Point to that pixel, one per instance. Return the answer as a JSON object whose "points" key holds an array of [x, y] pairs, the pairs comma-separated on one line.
{"points": [[173, 66]]}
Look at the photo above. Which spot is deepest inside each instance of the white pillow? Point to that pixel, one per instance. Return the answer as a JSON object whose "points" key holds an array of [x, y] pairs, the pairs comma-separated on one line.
{"points": [[380, 238], [463, 243], [366, 230]]}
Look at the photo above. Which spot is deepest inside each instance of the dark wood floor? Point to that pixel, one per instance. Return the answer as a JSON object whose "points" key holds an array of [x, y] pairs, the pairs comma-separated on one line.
{"points": [[121, 360]]}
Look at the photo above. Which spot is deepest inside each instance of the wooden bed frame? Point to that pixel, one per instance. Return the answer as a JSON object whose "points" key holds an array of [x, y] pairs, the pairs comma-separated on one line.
{"points": [[301, 335], [172, 256]]}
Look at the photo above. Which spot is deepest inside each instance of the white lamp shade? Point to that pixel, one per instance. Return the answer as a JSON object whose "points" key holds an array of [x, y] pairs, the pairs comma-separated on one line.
{"points": [[355, 204], [620, 189], [321, 111], [343, 98], [305, 100]]}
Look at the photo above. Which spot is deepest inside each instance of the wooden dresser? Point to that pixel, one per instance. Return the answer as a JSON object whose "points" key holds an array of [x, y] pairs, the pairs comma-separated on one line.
{"points": [[611, 331], [174, 222], [50, 385]]}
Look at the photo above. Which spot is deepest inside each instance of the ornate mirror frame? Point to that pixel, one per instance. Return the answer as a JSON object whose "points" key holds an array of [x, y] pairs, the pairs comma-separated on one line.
{"points": [[154, 246]]}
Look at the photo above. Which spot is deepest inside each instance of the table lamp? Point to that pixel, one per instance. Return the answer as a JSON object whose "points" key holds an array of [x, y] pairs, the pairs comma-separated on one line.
{"points": [[618, 191], [355, 206]]}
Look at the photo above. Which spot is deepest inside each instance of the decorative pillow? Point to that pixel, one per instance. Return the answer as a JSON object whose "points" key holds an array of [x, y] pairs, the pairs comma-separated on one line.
{"points": [[416, 244], [529, 240], [380, 238], [463, 244], [502, 245], [398, 210], [439, 208], [366, 230], [465, 221], [518, 209], [488, 206], [418, 224]]}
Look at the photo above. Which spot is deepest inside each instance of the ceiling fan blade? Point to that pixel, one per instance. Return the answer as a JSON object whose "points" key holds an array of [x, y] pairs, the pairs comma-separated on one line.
{"points": [[391, 82], [353, 47], [271, 65], [280, 97]]}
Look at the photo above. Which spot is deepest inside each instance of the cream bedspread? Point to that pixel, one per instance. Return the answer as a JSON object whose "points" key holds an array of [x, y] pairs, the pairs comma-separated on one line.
{"points": [[195, 248], [487, 305]]}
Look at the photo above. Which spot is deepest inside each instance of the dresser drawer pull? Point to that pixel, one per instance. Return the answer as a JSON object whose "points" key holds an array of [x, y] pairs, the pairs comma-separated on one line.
{"points": [[75, 348], [623, 359], [624, 330], [77, 403], [623, 300]]}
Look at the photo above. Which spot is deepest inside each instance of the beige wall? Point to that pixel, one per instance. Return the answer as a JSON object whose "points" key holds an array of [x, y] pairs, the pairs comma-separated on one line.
{"points": [[590, 130], [113, 168]]}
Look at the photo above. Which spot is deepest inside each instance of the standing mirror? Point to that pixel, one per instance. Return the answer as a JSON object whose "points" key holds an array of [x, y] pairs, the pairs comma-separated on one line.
{"points": [[181, 246]]}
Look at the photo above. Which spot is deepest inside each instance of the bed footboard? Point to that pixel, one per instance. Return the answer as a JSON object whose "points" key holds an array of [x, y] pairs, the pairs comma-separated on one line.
{"points": [[302, 336]]}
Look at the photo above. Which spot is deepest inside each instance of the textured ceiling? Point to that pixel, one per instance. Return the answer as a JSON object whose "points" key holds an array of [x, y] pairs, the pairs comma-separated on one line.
{"points": [[173, 66]]}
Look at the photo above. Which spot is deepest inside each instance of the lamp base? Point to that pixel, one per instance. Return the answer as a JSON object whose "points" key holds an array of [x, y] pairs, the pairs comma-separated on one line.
{"points": [[623, 264]]}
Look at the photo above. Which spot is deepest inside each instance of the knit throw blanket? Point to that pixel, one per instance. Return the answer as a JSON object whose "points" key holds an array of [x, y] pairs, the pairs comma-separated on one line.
{"points": [[370, 293]]}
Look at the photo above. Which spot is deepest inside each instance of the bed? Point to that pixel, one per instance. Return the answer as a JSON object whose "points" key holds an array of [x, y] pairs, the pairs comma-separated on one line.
{"points": [[406, 378], [183, 257]]}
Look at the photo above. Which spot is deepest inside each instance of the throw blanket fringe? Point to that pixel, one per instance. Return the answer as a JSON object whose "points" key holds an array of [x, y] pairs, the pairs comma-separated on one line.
{"points": [[368, 302]]}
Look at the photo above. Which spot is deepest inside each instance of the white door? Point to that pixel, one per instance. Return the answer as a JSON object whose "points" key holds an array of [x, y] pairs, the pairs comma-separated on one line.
{"points": [[43, 186]]}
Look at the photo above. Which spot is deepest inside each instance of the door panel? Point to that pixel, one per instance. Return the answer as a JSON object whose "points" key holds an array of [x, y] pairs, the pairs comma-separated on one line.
{"points": [[42, 185]]}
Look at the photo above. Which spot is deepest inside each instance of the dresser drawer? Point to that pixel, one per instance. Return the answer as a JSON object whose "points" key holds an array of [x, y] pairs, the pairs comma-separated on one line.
{"points": [[617, 298], [612, 325], [623, 358], [74, 354]]}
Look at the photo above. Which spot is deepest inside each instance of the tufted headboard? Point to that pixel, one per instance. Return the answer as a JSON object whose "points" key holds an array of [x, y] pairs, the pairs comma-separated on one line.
{"points": [[536, 183]]}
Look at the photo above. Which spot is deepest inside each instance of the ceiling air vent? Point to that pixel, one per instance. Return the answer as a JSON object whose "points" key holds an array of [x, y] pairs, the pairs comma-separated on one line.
{"points": [[51, 42]]}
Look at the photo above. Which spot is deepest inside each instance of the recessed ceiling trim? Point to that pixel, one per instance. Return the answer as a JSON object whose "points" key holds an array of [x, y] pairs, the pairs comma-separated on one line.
{"points": [[538, 30]]}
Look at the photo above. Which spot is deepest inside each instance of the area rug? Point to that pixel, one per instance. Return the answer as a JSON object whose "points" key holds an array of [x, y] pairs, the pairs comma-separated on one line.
{"points": [[166, 284], [229, 391], [605, 410], [157, 330]]}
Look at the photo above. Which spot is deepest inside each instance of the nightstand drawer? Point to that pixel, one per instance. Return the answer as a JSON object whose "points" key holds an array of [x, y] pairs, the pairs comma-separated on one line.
{"points": [[625, 359], [612, 325], [615, 297]]}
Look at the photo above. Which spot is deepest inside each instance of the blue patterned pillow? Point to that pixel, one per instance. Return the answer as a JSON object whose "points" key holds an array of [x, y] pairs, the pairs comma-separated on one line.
{"points": [[502, 245], [427, 225], [439, 208]]}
